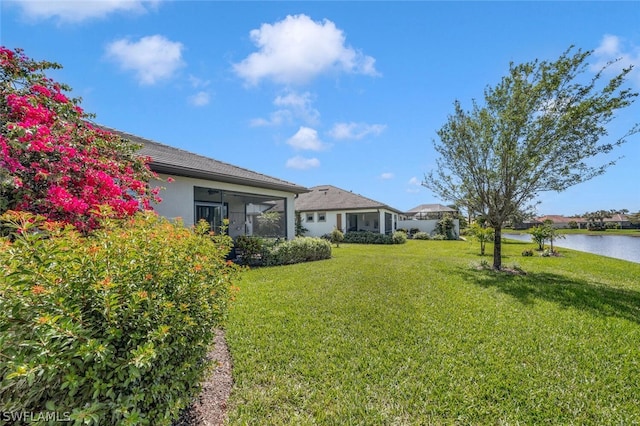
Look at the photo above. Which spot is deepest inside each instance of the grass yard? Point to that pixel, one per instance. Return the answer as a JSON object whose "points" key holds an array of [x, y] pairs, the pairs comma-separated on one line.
{"points": [[415, 335]]}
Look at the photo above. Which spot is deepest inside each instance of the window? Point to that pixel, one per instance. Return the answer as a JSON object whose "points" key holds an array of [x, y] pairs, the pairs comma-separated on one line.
{"points": [[322, 217], [309, 217]]}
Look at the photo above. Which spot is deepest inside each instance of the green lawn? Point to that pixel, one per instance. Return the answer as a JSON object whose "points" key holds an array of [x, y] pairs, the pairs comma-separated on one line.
{"points": [[415, 335]]}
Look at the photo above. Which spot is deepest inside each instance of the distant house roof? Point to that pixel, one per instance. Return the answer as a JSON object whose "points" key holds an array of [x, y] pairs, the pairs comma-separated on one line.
{"points": [[555, 218], [430, 208], [327, 197], [618, 217], [174, 161]]}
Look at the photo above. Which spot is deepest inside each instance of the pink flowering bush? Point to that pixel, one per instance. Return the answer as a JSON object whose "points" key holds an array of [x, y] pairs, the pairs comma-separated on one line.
{"points": [[53, 161]]}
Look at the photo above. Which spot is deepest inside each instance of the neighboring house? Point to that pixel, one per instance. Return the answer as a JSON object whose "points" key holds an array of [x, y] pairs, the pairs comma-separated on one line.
{"points": [[429, 212], [204, 188], [327, 207], [425, 218], [621, 220], [560, 221]]}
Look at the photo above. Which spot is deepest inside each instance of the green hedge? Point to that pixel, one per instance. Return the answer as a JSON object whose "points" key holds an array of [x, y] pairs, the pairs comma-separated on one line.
{"points": [[112, 328], [365, 237], [257, 251], [298, 250]]}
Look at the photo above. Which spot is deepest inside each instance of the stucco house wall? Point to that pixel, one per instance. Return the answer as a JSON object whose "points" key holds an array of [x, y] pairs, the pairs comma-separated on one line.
{"points": [[202, 187], [428, 226], [372, 220], [324, 208], [178, 201]]}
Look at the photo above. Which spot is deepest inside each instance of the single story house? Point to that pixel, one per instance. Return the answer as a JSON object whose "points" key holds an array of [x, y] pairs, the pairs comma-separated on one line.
{"points": [[327, 207], [429, 212], [425, 218], [559, 221], [204, 188], [622, 220]]}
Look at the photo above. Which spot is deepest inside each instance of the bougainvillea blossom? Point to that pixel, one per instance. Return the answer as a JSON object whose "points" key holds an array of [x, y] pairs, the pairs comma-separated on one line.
{"points": [[53, 161]]}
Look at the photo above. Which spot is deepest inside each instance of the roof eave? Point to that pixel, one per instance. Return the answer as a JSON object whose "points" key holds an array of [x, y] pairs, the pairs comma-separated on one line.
{"points": [[323, 209], [203, 174]]}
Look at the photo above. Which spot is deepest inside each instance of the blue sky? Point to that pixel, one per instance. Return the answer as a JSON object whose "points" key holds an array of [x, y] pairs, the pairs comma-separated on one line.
{"points": [[343, 93]]}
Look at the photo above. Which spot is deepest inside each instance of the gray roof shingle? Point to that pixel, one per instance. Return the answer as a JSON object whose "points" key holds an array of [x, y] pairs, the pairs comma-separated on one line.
{"points": [[174, 161], [327, 197]]}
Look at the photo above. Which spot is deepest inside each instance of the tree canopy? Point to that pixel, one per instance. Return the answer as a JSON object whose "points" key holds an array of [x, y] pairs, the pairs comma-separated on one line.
{"points": [[536, 131]]}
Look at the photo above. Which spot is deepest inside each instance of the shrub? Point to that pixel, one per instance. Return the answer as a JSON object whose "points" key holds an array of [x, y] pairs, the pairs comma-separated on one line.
{"points": [[365, 237], [399, 237], [113, 328], [446, 226], [539, 234], [336, 237], [439, 237], [249, 249], [301, 249], [527, 252], [421, 236], [482, 234]]}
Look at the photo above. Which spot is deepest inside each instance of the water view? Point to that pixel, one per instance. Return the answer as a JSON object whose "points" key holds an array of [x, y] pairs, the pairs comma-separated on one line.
{"points": [[623, 247]]}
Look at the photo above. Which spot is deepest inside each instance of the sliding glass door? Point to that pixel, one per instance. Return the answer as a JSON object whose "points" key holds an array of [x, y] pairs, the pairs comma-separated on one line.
{"points": [[213, 213]]}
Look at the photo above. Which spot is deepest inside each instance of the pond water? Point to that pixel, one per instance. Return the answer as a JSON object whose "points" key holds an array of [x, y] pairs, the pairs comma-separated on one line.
{"points": [[623, 247]]}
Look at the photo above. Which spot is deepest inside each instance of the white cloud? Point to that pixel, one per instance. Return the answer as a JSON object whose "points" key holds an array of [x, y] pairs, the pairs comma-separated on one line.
{"points": [[352, 130], [387, 176], [300, 106], [293, 106], [306, 138], [297, 49], [415, 185], [152, 58], [81, 10], [302, 163], [612, 48], [198, 82], [200, 99]]}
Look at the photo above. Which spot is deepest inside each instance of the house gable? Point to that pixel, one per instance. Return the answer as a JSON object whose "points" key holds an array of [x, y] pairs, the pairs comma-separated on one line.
{"points": [[329, 198]]}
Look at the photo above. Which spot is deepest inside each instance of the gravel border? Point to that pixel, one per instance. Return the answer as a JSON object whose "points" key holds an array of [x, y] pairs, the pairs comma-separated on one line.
{"points": [[210, 409]]}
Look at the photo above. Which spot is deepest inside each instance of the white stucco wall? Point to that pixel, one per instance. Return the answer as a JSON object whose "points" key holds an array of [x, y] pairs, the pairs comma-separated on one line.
{"points": [[178, 200], [317, 228], [428, 226]]}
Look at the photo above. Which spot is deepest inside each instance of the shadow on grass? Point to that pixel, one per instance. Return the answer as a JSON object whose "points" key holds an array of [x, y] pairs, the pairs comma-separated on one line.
{"points": [[580, 294]]}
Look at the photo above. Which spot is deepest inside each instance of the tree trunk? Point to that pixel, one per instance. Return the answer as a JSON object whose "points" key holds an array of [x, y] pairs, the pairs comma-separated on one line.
{"points": [[497, 248]]}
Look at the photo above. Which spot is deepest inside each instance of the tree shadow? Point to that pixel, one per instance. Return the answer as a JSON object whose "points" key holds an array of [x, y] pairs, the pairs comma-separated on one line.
{"points": [[598, 299]]}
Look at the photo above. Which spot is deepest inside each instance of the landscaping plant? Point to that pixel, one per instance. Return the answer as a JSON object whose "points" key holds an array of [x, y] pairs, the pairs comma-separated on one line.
{"points": [[53, 161], [543, 127], [112, 328]]}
